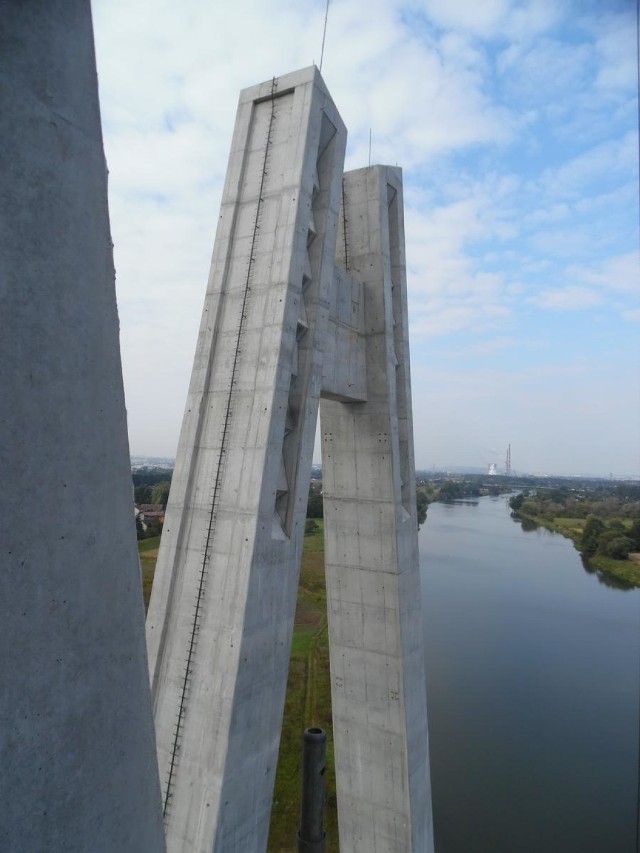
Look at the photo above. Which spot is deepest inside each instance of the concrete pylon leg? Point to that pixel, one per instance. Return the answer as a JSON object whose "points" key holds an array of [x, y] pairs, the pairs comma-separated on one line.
{"points": [[77, 750], [373, 587], [224, 596]]}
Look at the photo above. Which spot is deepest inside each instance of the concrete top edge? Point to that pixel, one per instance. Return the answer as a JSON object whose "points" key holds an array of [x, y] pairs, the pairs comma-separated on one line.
{"points": [[311, 74], [390, 174]]}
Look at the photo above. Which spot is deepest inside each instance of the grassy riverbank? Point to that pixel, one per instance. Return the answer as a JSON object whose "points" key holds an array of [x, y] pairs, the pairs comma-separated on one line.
{"points": [[308, 700], [148, 551], [308, 703], [626, 570]]}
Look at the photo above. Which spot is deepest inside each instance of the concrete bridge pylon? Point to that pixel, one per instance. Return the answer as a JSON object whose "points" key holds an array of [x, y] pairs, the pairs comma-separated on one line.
{"points": [[220, 619], [306, 300], [77, 748], [371, 547]]}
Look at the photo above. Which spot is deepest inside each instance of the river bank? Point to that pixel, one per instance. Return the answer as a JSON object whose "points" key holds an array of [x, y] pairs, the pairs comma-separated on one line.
{"points": [[530, 664], [532, 684], [627, 571]]}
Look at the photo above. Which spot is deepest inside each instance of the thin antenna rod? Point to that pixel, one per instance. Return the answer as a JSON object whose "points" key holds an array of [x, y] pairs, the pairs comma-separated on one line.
{"points": [[638, 785], [369, 146], [324, 34]]}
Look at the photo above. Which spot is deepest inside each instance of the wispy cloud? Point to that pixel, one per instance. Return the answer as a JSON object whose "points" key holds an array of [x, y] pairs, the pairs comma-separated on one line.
{"points": [[515, 125], [598, 284], [568, 299], [619, 274]]}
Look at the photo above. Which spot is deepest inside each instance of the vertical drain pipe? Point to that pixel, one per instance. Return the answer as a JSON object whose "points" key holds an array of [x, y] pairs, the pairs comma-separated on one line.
{"points": [[311, 835]]}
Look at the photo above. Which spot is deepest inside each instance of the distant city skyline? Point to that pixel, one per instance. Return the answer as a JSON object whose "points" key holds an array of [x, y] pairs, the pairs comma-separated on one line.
{"points": [[142, 460], [516, 127]]}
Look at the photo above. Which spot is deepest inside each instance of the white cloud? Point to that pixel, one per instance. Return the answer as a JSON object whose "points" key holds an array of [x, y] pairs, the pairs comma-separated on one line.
{"points": [[481, 19], [611, 283], [568, 299], [616, 46], [494, 19], [531, 19], [613, 159], [547, 215], [548, 68], [494, 345], [508, 199], [619, 274]]}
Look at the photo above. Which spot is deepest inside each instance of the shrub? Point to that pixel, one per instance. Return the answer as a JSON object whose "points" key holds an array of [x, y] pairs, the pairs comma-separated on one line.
{"points": [[634, 535], [617, 547], [311, 526]]}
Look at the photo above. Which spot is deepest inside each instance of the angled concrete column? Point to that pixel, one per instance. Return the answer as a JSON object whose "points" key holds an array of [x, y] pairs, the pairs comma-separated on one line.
{"points": [[221, 614], [373, 587], [77, 751]]}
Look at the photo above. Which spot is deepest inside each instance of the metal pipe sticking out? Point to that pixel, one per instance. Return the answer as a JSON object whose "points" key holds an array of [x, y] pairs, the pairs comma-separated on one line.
{"points": [[311, 835]]}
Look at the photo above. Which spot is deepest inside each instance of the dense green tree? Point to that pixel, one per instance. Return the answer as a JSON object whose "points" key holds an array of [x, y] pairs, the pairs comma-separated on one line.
{"points": [[634, 535], [315, 507], [593, 529], [449, 490], [628, 491], [142, 494], [422, 502], [516, 501], [150, 476], [160, 493]]}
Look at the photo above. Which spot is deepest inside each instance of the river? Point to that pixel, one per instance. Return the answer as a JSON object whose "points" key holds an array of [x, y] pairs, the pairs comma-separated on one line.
{"points": [[533, 670]]}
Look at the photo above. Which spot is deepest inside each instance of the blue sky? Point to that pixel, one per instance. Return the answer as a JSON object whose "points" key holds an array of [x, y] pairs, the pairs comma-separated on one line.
{"points": [[516, 126]]}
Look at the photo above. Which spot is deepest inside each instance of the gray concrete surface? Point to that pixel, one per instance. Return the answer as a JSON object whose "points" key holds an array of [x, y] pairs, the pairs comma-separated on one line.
{"points": [[77, 751], [371, 547], [221, 614], [344, 374]]}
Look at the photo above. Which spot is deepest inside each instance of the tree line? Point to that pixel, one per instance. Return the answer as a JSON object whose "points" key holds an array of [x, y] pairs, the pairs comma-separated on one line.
{"points": [[152, 485], [608, 515]]}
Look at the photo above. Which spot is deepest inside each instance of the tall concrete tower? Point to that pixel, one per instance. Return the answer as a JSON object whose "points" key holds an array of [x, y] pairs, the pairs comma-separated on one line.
{"points": [[221, 613], [77, 748], [301, 303], [371, 544]]}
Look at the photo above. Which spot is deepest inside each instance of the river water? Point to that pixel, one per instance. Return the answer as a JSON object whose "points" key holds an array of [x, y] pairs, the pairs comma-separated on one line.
{"points": [[533, 670]]}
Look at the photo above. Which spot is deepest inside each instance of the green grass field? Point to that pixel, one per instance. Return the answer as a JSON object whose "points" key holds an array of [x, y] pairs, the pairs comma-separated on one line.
{"points": [[626, 570], [308, 700], [148, 551], [308, 703]]}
